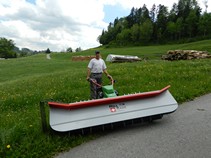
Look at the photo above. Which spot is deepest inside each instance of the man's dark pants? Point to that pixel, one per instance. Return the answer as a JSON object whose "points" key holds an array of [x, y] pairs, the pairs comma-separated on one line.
{"points": [[93, 88]]}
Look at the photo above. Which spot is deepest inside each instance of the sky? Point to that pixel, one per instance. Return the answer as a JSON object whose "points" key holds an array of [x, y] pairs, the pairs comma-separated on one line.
{"points": [[60, 24]]}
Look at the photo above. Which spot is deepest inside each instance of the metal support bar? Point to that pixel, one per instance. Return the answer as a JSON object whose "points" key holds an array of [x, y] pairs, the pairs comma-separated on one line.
{"points": [[43, 116]]}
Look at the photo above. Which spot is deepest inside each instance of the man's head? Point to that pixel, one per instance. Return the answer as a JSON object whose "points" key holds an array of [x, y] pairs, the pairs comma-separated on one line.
{"points": [[97, 53]]}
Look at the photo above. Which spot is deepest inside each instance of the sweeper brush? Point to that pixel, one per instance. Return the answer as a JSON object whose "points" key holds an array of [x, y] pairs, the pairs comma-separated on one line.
{"points": [[108, 111]]}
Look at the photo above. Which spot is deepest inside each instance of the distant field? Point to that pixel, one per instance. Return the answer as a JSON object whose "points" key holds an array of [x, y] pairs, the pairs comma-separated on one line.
{"points": [[26, 81]]}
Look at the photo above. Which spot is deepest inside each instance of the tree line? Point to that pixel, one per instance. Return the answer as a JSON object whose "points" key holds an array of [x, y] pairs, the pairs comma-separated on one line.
{"points": [[9, 50], [185, 22]]}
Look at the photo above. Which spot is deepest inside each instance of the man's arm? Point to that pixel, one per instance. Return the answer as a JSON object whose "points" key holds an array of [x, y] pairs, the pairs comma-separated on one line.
{"points": [[105, 71], [89, 69], [88, 73]]}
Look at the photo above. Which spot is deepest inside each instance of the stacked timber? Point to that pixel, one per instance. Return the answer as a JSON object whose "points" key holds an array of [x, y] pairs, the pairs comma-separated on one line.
{"points": [[185, 55], [82, 58]]}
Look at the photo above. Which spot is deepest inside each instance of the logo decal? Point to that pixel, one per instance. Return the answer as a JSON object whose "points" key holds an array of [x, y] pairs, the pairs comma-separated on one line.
{"points": [[117, 107], [112, 108]]}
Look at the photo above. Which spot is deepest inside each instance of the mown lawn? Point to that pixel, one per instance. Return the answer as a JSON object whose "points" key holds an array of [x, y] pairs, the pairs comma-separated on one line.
{"points": [[24, 82]]}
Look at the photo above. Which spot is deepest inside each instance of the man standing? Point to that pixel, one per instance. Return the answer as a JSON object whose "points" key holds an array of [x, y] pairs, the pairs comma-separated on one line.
{"points": [[95, 70]]}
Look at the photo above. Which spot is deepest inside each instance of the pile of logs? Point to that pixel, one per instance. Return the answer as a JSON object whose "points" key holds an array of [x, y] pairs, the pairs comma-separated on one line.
{"points": [[82, 58], [185, 55]]}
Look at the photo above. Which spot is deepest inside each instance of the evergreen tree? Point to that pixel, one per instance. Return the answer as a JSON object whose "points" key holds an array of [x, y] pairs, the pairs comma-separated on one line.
{"points": [[152, 13], [162, 19], [145, 14], [131, 18], [142, 26], [173, 13], [48, 51]]}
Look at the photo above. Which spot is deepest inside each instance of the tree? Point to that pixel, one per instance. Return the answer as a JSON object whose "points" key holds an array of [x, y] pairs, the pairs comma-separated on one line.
{"points": [[145, 14], [116, 21], [206, 5], [191, 22], [159, 25], [205, 24], [184, 7], [171, 29], [135, 33], [162, 20], [7, 48], [48, 51], [78, 49], [131, 18], [102, 38], [69, 50], [124, 37], [138, 15], [146, 30], [179, 27], [108, 36], [173, 13], [190, 11], [25, 52], [152, 13]]}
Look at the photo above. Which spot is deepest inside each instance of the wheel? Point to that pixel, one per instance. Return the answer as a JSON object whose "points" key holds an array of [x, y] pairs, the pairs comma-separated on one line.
{"points": [[116, 92]]}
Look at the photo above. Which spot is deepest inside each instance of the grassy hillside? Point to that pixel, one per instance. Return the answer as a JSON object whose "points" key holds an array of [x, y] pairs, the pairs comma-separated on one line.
{"points": [[26, 81], [154, 52]]}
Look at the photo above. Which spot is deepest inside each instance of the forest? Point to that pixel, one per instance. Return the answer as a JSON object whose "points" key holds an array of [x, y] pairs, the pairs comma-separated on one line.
{"points": [[184, 22]]}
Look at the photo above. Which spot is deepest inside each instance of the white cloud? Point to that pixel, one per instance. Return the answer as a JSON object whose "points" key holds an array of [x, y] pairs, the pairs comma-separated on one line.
{"points": [[59, 24], [54, 24]]}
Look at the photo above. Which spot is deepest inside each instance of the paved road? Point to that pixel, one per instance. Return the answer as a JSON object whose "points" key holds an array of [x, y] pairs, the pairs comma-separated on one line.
{"points": [[183, 134]]}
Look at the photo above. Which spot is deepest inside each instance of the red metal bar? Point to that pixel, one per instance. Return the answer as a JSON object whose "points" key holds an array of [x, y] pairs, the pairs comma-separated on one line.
{"points": [[103, 101]]}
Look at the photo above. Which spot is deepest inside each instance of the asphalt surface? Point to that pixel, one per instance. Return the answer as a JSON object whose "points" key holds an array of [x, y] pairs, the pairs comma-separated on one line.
{"points": [[185, 133]]}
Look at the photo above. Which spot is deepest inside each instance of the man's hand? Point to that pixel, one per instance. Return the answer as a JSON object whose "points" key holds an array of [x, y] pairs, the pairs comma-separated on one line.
{"points": [[87, 78]]}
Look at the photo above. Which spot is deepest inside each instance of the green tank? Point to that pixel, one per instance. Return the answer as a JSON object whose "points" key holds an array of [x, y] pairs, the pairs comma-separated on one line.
{"points": [[108, 91]]}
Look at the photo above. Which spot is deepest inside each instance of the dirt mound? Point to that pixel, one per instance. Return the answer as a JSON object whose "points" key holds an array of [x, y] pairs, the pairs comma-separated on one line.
{"points": [[82, 58]]}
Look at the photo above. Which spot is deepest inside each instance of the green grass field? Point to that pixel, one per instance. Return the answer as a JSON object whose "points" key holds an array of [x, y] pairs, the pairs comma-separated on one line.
{"points": [[24, 82]]}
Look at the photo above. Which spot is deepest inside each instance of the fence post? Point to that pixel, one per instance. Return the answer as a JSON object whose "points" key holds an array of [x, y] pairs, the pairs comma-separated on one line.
{"points": [[43, 116]]}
